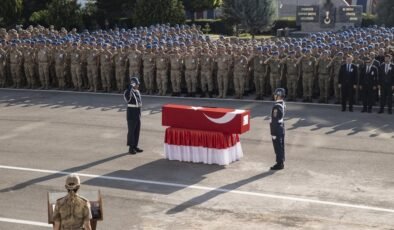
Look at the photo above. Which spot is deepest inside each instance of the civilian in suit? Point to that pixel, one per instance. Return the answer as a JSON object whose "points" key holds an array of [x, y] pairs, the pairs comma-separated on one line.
{"points": [[386, 84], [368, 84], [347, 82]]}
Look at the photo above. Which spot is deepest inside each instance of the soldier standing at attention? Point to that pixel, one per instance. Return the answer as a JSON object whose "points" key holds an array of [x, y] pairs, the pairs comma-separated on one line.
{"points": [[15, 64], [60, 65], [120, 68], [92, 67], [176, 63], [3, 59], [43, 65], [224, 62], [106, 67], [135, 61], [260, 72], [308, 71], [149, 69], [240, 73], [368, 84], [207, 64], [76, 65], [292, 75], [72, 211], [28, 64], [191, 68], [386, 84], [275, 69], [335, 65], [162, 63], [277, 127], [324, 77]]}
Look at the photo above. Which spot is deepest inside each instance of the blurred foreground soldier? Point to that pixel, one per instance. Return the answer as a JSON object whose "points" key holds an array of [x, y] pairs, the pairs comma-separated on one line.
{"points": [[386, 84], [72, 211], [368, 83], [347, 82], [277, 127], [132, 97]]}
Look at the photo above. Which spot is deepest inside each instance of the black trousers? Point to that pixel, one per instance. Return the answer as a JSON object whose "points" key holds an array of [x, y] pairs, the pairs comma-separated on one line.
{"points": [[347, 96], [279, 147], [386, 97], [368, 96], [134, 126]]}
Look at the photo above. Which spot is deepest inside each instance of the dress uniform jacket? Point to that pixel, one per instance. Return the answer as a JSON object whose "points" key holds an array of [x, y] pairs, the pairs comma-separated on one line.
{"points": [[133, 99], [386, 82]]}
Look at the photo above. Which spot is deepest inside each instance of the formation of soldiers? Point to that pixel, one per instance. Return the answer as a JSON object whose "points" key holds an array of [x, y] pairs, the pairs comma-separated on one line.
{"points": [[182, 60]]}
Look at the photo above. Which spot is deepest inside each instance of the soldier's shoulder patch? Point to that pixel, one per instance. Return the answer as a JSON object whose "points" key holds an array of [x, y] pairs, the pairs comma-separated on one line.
{"points": [[275, 113]]}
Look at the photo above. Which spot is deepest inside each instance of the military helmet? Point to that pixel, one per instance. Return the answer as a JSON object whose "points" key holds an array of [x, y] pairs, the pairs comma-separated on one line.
{"points": [[134, 81], [280, 92], [73, 181]]}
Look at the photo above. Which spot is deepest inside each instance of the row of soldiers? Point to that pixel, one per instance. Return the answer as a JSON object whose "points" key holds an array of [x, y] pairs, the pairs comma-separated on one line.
{"points": [[306, 67]]}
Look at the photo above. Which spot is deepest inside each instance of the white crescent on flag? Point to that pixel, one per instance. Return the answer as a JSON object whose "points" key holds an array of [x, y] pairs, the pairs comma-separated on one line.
{"points": [[226, 118]]}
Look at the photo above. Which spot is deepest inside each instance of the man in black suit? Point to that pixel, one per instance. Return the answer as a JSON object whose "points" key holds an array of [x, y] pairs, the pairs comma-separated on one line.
{"points": [[368, 84], [386, 84], [347, 82]]}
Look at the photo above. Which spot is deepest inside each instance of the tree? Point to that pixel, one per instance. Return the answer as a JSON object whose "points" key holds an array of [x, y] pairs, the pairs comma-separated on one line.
{"points": [[148, 12], [34, 6], [10, 12], [64, 13], [384, 12], [110, 12], [200, 5], [252, 15]]}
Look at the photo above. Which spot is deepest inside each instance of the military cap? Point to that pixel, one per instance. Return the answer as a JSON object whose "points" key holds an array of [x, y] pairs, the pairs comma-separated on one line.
{"points": [[281, 92], [72, 181]]}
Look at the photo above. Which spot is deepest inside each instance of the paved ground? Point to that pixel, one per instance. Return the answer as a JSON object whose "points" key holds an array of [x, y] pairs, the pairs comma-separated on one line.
{"points": [[339, 170]]}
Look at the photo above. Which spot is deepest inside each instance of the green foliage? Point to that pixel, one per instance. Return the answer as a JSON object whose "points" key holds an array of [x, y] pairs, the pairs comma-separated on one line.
{"points": [[39, 17], [369, 20], [64, 13], [199, 5], [33, 6], [253, 16], [110, 12], [148, 12], [385, 12], [10, 12]]}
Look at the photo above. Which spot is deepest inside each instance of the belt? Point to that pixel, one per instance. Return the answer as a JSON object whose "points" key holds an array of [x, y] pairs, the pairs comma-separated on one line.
{"points": [[133, 106]]}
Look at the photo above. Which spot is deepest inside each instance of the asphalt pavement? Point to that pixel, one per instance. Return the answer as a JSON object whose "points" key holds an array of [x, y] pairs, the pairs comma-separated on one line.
{"points": [[338, 173]]}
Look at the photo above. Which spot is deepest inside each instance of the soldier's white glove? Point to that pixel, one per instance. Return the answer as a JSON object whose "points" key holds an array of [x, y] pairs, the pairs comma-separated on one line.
{"points": [[273, 137]]}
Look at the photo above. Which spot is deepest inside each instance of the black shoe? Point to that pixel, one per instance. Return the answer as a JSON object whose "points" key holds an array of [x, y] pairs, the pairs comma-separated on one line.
{"points": [[278, 167], [343, 110], [364, 110], [138, 150], [381, 111], [132, 151]]}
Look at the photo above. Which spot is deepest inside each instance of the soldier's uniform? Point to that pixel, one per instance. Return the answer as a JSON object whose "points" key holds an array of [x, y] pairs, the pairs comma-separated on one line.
{"points": [[260, 75], [191, 67], [360, 64], [292, 74], [3, 60], [324, 77], [207, 64], [135, 63], [176, 63], [120, 70], [162, 63], [308, 73], [106, 69], [336, 64], [275, 70], [72, 211], [29, 64], [149, 71], [60, 65], [224, 62], [92, 68], [240, 74], [277, 128], [16, 57], [43, 67], [76, 69]]}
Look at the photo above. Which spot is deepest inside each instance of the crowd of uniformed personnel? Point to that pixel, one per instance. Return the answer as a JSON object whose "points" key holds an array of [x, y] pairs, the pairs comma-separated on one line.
{"points": [[181, 59]]}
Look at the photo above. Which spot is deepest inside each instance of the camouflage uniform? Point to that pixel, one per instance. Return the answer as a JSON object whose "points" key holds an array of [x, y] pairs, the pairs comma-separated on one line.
{"points": [[106, 69], [149, 71], [260, 75], [76, 69], [240, 75], [308, 71], [275, 69], [324, 78], [191, 67], [92, 68], [207, 64], [176, 63], [120, 70], [162, 63], [29, 64], [224, 62], [292, 73], [60, 65], [135, 62], [43, 67], [15, 64], [3, 60]]}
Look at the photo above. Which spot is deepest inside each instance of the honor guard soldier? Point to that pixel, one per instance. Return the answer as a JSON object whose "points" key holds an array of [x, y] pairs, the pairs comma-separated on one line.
{"points": [[132, 97], [72, 211], [277, 127]]}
